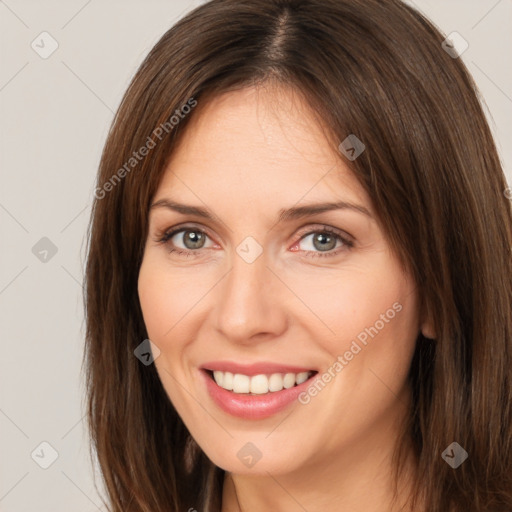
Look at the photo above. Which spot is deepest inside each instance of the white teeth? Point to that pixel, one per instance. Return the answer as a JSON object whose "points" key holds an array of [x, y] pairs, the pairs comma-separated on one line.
{"points": [[289, 380], [275, 383], [219, 377], [302, 377], [241, 383], [258, 384], [228, 381]]}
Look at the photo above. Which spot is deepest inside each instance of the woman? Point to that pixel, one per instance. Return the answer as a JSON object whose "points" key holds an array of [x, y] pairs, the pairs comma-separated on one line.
{"points": [[301, 205]]}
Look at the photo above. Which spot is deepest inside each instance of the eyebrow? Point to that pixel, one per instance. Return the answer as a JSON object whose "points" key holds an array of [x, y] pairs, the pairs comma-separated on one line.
{"points": [[296, 212]]}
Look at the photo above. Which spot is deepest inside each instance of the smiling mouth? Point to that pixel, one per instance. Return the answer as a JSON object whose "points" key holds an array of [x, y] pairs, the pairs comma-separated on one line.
{"points": [[261, 384]]}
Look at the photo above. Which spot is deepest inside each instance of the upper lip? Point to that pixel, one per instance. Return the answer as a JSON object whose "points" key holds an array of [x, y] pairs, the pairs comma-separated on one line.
{"points": [[251, 369]]}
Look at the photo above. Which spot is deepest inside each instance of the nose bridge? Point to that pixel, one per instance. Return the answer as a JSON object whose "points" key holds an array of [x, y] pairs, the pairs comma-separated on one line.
{"points": [[248, 303]]}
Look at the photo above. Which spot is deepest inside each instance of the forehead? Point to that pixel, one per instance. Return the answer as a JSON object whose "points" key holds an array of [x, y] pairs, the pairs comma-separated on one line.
{"points": [[260, 143]]}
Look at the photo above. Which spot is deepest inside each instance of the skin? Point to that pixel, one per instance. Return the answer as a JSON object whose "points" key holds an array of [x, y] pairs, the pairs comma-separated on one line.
{"points": [[245, 156]]}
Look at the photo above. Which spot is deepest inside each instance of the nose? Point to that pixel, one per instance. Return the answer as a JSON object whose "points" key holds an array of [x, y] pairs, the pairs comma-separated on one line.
{"points": [[250, 302]]}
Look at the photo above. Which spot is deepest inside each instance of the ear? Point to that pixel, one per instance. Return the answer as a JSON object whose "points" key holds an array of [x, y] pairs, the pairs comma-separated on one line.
{"points": [[427, 324]]}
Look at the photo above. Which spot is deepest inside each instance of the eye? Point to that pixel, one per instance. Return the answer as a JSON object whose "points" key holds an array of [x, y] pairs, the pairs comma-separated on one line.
{"points": [[189, 240], [321, 243], [185, 240]]}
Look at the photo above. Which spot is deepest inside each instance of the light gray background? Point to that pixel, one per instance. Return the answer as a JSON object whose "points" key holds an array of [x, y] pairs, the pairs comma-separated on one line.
{"points": [[54, 117]]}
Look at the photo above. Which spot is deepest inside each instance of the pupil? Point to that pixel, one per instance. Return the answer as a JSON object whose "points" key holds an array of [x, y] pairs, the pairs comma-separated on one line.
{"points": [[195, 239], [325, 242]]}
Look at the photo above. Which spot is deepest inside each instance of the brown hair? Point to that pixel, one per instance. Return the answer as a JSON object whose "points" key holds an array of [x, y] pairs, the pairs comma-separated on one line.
{"points": [[371, 68]]}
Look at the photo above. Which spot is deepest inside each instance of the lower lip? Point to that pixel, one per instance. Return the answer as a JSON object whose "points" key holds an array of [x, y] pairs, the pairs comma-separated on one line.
{"points": [[253, 407]]}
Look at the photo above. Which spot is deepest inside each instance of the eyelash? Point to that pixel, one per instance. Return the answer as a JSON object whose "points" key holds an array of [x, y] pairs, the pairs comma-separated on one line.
{"points": [[164, 238]]}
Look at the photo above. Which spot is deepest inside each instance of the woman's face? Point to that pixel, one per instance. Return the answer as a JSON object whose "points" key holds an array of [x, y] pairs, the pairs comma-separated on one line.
{"points": [[257, 290]]}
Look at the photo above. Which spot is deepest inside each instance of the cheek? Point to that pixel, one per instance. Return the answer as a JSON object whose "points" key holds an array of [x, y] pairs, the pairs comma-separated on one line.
{"points": [[167, 297], [165, 300], [375, 323], [353, 301], [155, 302]]}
